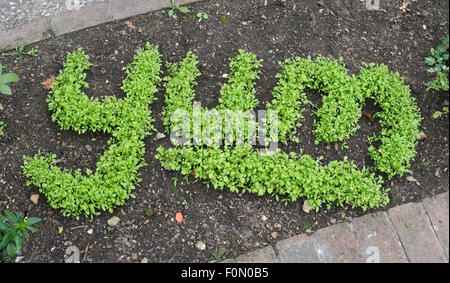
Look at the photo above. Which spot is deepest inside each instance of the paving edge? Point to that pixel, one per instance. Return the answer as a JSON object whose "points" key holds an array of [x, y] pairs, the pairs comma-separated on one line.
{"points": [[271, 253], [67, 21]]}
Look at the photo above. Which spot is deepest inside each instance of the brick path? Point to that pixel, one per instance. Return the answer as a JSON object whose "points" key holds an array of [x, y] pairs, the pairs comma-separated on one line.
{"points": [[66, 21], [413, 232]]}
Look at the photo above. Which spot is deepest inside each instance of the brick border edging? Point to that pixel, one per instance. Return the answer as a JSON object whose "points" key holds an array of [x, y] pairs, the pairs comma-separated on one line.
{"points": [[412, 232], [70, 21]]}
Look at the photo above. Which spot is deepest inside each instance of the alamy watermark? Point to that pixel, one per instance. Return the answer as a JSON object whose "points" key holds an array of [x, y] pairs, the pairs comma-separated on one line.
{"points": [[201, 126], [373, 4], [75, 5]]}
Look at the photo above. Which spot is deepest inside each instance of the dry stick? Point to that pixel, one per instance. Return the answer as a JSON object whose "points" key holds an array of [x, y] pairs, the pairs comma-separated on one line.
{"points": [[85, 252]]}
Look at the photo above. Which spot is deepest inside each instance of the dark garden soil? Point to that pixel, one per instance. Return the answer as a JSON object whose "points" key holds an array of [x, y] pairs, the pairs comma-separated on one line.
{"points": [[233, 223]]}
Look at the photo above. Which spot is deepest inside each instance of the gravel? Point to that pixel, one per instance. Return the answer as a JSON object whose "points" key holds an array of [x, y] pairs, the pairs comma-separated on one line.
{"points": [[14, 13]]}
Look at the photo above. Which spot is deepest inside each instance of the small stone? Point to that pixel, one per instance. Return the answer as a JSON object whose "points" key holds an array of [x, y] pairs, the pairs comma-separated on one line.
{"points": [[437, 173], [88, 147], [225, 76], [134, 256], [306, 206], [90, 231], [446, 102], [308, 231], [34, 198], [144, 260], [113, 221], [277, 225], [209, 33], [411, 179], [160, 136], [274, 235], [200, 245], [264, 218]]}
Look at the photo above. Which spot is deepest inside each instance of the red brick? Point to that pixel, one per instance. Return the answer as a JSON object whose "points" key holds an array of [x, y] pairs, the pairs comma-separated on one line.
{"points": [[337, 244], [264, 255], [437, 210], [416, 234], [297, 249], [377, 238]]}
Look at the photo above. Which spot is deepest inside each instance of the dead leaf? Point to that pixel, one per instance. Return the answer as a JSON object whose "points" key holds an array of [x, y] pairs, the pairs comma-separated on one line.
{"points": [[179, 217], [336, 146], [369, 117], [421, 136], [130, 25], [48, 82]]}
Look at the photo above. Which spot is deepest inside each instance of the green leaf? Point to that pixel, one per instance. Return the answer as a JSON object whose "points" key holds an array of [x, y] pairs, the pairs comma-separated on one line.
{"points": [[3, 227], [10, 216], [430, 61], [10, 251], [9, 78], [4, 89], [183, 9], [33, 220], [171, 13]]}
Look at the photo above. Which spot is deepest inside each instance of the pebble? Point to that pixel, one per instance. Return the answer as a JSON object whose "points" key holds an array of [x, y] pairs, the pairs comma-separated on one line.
{"points": [[160, 136], [200, 245], [437, 173], [306, 206], [113, 221], [411, 179], [144, 260], [264, 218], [90, 231], [88, 147], [445, 102], [34, 198], [209, 33]]}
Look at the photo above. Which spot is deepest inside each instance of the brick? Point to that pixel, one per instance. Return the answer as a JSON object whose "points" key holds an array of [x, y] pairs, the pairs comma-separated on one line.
{"points": [[73, 20], [297, 249], [26, 34], [337, 244], [416, 234], [264, 255], [437, 210], [378, 239]]}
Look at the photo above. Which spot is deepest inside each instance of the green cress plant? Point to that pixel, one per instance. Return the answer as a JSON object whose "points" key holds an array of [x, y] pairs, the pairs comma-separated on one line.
{"points": [[289, 176], [128, 121]]}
